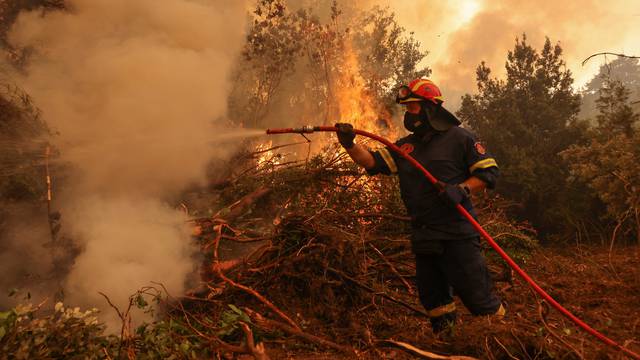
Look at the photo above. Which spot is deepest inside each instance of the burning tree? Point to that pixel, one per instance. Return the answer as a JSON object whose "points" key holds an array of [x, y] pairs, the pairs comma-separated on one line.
{"points": [[298, 69]]}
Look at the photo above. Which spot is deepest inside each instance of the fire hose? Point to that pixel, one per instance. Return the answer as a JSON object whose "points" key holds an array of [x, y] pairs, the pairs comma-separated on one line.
{"points": [[476, 225]]}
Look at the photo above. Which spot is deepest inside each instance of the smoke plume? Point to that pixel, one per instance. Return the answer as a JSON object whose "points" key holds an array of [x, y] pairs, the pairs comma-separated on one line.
{"points": [[582, 28], [460, 34], [137, 91]]}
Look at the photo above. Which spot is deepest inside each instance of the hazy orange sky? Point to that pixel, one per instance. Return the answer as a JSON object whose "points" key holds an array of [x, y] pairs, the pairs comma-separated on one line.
{"points": [[460, 34]]}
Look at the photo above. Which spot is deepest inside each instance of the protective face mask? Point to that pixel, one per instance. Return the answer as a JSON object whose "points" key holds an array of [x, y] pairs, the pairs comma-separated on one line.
{"points": [[417, 123]]}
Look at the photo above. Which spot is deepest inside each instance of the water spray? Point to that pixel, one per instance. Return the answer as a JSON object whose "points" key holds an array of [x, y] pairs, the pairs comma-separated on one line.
{"points": [[310, 129]]}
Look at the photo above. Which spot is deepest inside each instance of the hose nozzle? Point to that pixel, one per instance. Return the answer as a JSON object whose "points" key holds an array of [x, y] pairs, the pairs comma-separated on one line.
{"points": [[307, 129]]}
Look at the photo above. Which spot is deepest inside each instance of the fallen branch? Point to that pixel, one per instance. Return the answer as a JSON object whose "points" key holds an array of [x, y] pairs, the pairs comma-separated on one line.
{"points": [[422, 353], [558, 337], [258, 350], [505, 349], [269, 324], [246, 240], [373, 291], [247, 289], [237, 208], [257, 152], [393, 269], [386, 216]]}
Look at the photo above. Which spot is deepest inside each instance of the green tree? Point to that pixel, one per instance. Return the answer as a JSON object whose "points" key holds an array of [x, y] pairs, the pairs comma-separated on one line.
{"points": [[526, 120], [610, 163], [389, 56], [624, 70], [269, 54], [301, 65], [615, 115], [22, 145]]}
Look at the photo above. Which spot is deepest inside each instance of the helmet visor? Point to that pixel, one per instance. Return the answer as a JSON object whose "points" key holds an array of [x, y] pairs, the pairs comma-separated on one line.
{"points": [[406, 95]]}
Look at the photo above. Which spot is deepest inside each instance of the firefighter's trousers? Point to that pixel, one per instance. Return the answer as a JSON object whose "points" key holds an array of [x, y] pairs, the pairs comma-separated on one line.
{"points": [[459, 268]]}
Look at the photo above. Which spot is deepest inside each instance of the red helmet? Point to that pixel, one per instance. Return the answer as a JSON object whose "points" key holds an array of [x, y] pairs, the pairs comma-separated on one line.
{"points": [[426, 90], [419, 90]]}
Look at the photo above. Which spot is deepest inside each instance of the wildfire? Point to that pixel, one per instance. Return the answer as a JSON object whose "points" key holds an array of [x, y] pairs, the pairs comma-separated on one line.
{"points": [[350, 101], [355, 102], [266, 155]]}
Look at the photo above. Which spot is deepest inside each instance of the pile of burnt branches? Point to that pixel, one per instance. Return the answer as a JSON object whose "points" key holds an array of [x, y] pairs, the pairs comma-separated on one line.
{"points": [[325, 265]]}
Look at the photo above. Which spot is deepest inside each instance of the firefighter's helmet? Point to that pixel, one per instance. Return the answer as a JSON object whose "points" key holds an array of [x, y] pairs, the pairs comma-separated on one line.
{"points": [[424, 90], [419, 90]]}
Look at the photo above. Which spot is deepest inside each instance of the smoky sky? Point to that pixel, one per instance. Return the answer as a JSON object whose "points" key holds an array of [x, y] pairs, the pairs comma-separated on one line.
{"points": [[460, 34]]}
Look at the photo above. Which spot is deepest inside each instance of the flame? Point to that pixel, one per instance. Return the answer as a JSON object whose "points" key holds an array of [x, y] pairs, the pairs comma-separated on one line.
{"points": [[266, 155], [351, 102], [356, 104]]}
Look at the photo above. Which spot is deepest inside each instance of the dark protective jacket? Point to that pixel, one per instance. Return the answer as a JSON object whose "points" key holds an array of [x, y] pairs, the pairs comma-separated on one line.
{"points": [[451, 156]]}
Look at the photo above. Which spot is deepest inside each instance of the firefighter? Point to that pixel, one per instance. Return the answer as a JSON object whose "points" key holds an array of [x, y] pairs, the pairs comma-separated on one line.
{"points": [[446, 246]]}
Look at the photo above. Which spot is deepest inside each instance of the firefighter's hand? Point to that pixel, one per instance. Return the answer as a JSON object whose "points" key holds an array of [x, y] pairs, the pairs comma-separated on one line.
{"points": [[345, 135], [452, 195]]}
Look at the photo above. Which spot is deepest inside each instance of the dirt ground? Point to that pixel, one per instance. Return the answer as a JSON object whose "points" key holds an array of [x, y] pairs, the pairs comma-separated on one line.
{"points": [[600, 288]]}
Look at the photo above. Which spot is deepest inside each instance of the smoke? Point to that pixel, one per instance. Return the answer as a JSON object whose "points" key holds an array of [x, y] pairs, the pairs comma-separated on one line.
{"points": [[137, 91], [582, 28], [461, 34]]}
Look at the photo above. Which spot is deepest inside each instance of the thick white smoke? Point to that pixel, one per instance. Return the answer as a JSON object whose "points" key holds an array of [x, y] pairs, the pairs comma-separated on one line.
{"points": [[136, 90]]}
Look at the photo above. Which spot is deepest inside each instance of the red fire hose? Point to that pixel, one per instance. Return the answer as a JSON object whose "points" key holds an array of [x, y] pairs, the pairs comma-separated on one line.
{"points": [[476, 225]]}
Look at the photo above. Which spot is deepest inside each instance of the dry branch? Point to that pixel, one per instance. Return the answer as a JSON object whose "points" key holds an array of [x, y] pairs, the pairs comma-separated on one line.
{"points": [[247, 289], [269, 324], [422, 353], [393, 269], [609, 53], [381, 294], [257, 350], [237, 208], [558, 337]]}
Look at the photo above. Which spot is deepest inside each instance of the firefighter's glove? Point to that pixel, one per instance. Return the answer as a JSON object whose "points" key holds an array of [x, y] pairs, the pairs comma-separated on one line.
{"points": [[452, 195], [345, 135]]}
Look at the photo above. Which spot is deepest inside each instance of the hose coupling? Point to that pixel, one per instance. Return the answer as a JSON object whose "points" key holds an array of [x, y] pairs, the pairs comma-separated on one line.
{"points": [[307, 129]]}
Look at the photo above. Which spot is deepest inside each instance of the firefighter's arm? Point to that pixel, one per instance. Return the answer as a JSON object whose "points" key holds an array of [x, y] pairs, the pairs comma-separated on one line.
{"points": [[361, 156], [358, 153], [474, 185]]}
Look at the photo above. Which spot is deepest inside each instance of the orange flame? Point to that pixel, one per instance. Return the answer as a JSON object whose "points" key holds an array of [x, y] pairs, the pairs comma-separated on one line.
{"points": [[355, 104]]}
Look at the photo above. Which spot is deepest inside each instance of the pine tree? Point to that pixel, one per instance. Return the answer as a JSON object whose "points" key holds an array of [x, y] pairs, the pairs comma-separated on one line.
{"points": [[610, 163], [526, 120], [615, 115]]}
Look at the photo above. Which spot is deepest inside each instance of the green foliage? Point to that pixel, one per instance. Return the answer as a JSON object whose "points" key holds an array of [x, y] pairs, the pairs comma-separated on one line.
{"points": [[229, 322], [298, 68], [610, 163], [71, 333], [389, 57], [67, 333], [169, 339], [615, 115], [270, 52], [526, 120]]}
